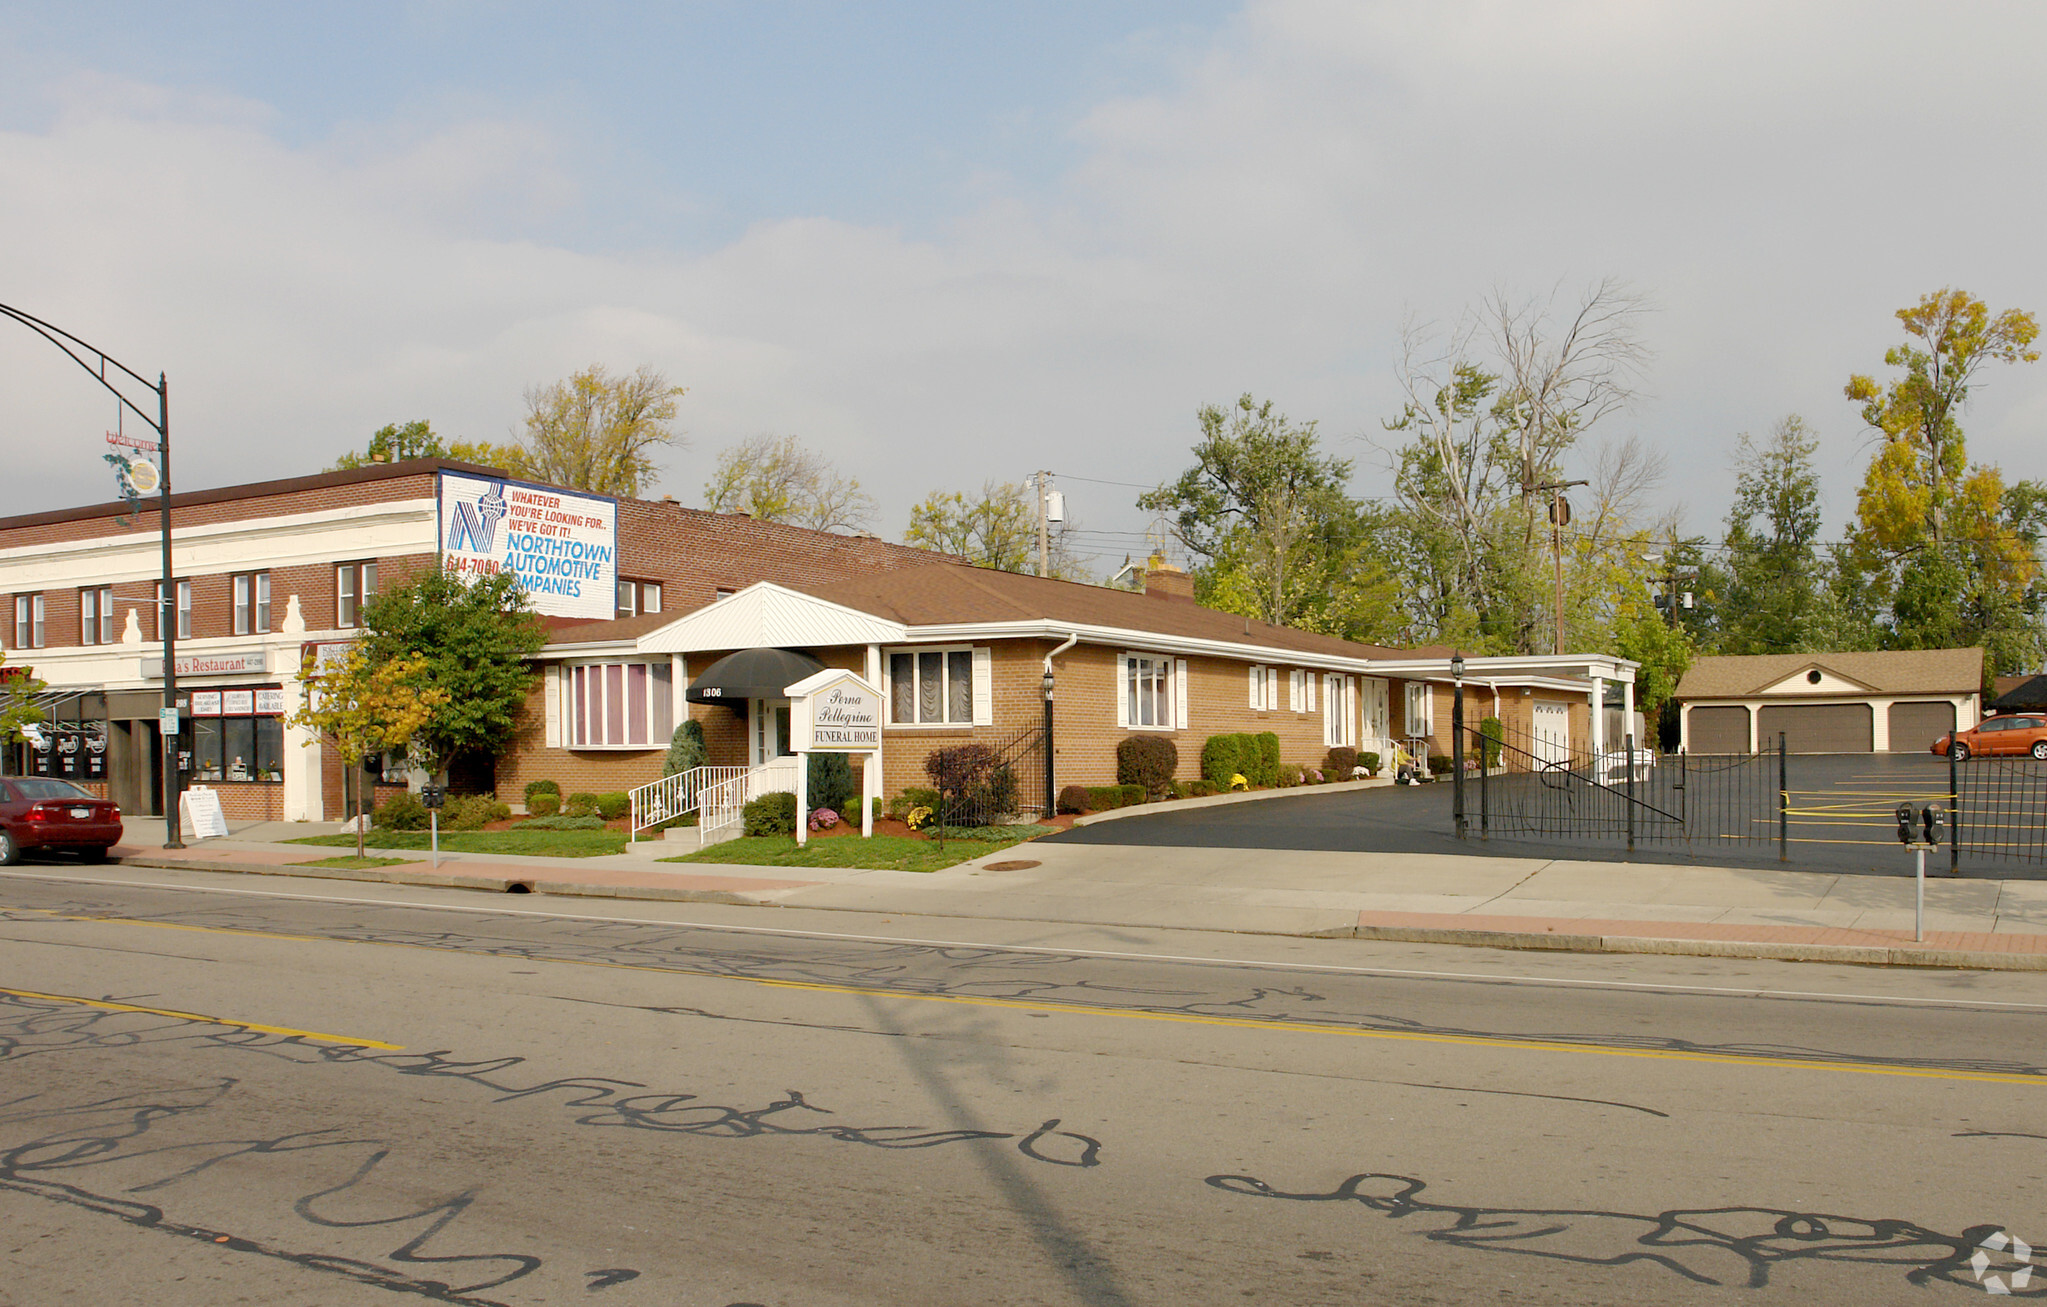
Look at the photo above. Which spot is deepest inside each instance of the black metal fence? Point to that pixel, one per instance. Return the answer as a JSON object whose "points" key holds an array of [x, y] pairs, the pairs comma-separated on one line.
{"points": [[987, 785], [1524, 786], [2000, 809]]}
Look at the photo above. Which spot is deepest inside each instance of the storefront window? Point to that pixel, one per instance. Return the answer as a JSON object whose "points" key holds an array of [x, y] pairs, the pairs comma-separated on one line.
{"points": [[237, 735]]}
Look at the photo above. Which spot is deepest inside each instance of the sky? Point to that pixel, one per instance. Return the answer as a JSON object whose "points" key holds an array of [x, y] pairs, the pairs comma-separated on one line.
{"points": [[943, 243]]}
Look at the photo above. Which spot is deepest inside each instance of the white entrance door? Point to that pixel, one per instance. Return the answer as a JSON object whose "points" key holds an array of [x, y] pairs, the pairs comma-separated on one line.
{"points": [[1378, 718], [1552, 725], [768, 748]]}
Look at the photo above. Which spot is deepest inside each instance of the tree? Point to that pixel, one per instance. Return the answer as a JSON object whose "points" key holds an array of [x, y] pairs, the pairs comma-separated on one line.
{"points": [[18, 691], [416, 439], [364, 705], [1776, 595], [476, 639], [997, 529], [596, 432], [778, 480], [1940, 544], [1270, 516]]}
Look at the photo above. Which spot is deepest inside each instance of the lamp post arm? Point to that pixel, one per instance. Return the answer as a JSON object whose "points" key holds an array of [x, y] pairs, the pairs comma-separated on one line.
{"points": [[78, 351]]}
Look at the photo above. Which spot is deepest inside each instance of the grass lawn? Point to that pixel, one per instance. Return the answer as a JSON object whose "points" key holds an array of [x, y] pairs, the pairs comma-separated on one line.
{"points": [[353, 863], [539, 843], [882, 853]]}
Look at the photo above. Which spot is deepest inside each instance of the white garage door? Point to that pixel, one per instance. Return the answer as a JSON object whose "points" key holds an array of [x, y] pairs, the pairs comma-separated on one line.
{"points": [[1552, 726]]}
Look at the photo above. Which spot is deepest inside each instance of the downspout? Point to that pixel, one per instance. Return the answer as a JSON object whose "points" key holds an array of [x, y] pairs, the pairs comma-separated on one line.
{"points": [[1071, 641], [1051, 783]]}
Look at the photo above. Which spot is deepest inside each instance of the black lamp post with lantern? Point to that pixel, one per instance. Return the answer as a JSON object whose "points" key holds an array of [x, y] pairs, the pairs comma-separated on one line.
{"points": [[96, 362], [1457, 740]]}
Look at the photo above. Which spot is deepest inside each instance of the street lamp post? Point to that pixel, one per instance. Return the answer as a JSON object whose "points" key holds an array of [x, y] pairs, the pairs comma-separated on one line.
{"points": [[1457, 739], [1051, 798], [96, 361]]}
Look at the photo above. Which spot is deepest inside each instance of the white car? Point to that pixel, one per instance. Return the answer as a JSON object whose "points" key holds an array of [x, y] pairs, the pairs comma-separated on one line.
{"points": [[1614, 765]]}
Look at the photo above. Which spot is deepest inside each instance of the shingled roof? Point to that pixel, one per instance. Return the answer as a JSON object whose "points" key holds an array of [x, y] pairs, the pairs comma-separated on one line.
{"points": [[1896, 671], [946, 594]]}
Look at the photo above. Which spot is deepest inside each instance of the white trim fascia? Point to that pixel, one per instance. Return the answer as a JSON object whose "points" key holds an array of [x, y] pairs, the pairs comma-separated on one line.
{"points": [[1504, 668], [608, 651], [877, 630], [1135, 641], [385, 512]]}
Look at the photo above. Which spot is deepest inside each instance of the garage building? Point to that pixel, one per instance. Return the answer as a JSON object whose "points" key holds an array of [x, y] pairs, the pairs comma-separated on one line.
{"points": [[1896, 701]]}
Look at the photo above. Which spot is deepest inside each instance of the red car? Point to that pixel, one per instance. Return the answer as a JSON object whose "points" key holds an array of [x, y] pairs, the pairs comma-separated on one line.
{"points": [[37, 812], [2009, 734]]}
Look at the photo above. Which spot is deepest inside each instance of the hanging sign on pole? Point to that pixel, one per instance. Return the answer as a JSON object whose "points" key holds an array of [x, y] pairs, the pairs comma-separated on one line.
{"points": [[134, 464]]}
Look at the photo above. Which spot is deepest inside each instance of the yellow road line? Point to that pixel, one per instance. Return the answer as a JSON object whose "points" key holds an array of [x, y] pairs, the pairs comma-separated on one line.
{"points": [[104, 1005], [1077, 1009]]}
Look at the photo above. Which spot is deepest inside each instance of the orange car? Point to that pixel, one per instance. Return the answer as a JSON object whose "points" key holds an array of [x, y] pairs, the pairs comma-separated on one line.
{"points": [[2011, 734]]}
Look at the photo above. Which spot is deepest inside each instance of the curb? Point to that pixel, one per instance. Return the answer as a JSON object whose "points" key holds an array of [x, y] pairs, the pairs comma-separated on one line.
{"points": [[439, 880], [1855, 954], [1547, 941], [1219, 800]]}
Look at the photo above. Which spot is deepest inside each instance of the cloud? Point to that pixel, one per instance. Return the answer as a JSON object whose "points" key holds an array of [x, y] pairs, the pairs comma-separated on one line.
{"points": [[1778, 179]]}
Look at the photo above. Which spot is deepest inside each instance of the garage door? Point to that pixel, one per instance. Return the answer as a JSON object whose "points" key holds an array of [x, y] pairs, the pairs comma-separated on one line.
{"points": [[1819, 727], [1915, 726], [1717, 730]]}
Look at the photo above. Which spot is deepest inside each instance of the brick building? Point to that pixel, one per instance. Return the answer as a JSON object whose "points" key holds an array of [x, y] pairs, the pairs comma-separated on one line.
{"points": [[642, 598]]}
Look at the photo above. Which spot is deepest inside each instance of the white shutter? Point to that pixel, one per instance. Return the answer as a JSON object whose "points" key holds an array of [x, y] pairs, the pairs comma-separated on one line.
{"points": [[1350, 710], [1254, 687], [984, 687], [1180, 695], [551, 706], [1121, 692]]}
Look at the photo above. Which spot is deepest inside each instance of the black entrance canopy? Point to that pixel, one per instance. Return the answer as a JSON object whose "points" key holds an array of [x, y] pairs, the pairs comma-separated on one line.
{"points": [[751, 674]]}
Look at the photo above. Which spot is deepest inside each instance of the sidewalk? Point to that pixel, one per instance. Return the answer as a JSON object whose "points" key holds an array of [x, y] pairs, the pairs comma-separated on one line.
{"points": [[1491, 902]]}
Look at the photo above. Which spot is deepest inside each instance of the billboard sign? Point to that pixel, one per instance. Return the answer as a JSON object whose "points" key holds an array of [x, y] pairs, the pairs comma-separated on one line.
{"points": [[561, 544]]}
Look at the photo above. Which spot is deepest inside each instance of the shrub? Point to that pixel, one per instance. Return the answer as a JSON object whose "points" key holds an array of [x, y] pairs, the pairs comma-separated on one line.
{"points": [[771, 814], [473, 812], [1289, 775], [1267, 760], [686, 749], [831, 781], [1219, 760], [580, 805], [1439, 762], [1339, 761], [1369, 761], [975, 784], [1312, 776], [823, 819], [402, 811], [544, 803], [1201, 789], [913, 796], [1149, 761], [1134, 794], [614, 805], [1494, 732], [542, 787], [1072, 798], [1101, 798], [562, 823]]}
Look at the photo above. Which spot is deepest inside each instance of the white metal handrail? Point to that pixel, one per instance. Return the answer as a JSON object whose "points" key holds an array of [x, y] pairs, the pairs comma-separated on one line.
{"points": [[672, 796], [721, 807]]}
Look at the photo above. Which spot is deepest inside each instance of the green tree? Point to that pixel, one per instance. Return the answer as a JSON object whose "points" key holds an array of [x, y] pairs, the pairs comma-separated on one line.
{"points": [[18, 691], [1936, 541], [1269, 516], [476, 639], [776, 479], [997, 528], [364, 705], [394, 442], [1776, 595], [596, 432]]}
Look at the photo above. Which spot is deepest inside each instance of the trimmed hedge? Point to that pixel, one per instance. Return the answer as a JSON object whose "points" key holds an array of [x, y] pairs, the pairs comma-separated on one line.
{"points": [[771, 814], [1369, 761], [473, 812], [542, 787], [562, 823], [1339, 762], [580, 804], [613, 805], [1072, 798], [544, 803], [1221, 758], [1101, 798], [1267, 759], [1289, 775], [1149, 761]]}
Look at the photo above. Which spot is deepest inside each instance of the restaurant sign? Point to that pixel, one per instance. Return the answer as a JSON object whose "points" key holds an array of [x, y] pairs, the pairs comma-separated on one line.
{"points": [[240, 663]]}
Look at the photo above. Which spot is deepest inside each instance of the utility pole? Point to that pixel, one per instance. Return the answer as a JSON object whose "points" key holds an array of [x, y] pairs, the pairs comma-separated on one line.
{"points": [[1559, 518], [1044, 534]]}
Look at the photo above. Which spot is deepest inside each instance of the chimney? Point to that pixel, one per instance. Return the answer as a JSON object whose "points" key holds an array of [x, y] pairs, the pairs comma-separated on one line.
{"points": [[1162, 580]]}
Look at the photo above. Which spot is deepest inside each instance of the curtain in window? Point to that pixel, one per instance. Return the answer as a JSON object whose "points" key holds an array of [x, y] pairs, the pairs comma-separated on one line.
{"points": [[959, 697], [930, 687], [902, 678]]}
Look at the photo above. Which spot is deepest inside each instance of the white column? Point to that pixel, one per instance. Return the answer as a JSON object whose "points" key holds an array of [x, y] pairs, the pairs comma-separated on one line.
{"points": [[870, 790], [802, 799], [1628, 715], [1598, 716]]}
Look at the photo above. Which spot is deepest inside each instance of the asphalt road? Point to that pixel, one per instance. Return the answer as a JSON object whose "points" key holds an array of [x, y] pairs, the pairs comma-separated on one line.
{"points": [[1842, 819], [294, 1095]]}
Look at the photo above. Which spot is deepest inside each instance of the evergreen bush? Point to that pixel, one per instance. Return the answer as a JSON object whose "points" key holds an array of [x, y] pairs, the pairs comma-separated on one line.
{"points": [[1220, 760], [542, 787], [580, 804], [1150, 761], [686, 748], [1072, 798], [1267, 762], [544, 803], [402, 811], [614, 805], [831, 781], [771, 814]]}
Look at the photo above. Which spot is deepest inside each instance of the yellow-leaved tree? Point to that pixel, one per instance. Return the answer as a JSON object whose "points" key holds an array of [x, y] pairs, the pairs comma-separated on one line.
{"points": [[363, 707]]}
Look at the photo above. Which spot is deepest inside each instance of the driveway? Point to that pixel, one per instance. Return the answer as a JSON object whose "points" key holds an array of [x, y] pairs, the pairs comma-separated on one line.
{"points": [[1841, 820]]}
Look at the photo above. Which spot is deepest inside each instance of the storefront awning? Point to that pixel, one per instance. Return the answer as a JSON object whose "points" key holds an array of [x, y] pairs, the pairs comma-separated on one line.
{"points": [[752, 674]]}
